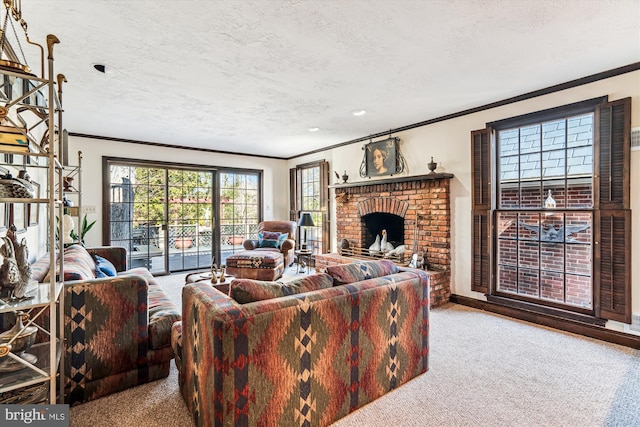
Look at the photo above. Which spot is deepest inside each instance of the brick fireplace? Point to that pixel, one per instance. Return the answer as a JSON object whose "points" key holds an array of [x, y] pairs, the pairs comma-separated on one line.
{"points": [[416, 209]]}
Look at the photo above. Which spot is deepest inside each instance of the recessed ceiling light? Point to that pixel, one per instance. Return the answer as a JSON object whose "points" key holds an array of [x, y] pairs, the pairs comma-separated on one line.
{"points": [[103, 68], [359, 112], [314, 129]]}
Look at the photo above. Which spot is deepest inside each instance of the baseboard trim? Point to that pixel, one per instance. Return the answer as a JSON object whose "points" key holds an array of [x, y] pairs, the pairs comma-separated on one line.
{"points": [[568, 325]]}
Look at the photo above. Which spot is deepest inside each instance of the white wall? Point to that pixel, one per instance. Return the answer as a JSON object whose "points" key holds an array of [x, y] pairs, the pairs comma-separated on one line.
{"points": [[275, 174], [449, 143]]}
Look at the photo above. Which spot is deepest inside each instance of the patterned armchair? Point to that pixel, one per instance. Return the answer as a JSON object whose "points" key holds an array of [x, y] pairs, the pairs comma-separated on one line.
{"points": [[286, 248], [117, 329]]}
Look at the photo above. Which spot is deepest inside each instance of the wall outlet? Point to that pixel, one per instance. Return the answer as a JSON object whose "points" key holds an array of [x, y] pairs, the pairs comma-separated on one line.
{"points": [[89, 209]]}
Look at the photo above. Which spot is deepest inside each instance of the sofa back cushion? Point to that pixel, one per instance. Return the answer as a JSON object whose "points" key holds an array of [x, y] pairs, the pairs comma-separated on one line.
{"points": [[78, 265], [40, 268], [361, 270], [247, 290]]}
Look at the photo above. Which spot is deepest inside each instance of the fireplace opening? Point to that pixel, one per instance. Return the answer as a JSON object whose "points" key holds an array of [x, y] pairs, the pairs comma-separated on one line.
{"points": [[375, 222]]}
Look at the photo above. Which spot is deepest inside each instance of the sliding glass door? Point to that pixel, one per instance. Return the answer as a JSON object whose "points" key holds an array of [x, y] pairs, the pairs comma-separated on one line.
{"points": [[166, 216]]}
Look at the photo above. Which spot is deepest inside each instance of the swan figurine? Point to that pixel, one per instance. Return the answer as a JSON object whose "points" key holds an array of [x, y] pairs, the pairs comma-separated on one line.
{"points": [[384, 245], [375, 248], [399, 251]]}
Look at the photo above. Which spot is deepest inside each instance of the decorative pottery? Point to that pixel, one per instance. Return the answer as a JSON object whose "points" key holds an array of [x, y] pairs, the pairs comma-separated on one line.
{"points": [[432, 166], [17, 340], [183, 242]]}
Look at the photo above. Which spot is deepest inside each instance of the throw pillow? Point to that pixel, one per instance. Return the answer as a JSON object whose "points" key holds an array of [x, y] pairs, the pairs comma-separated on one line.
{"points": [[248, 290], [104, 267], [271, 239], [78, 265], [363, 270]]}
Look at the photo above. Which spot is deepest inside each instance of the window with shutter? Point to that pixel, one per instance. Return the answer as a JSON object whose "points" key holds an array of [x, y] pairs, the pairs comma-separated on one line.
{"points": [[309, 186], [558, 216]]}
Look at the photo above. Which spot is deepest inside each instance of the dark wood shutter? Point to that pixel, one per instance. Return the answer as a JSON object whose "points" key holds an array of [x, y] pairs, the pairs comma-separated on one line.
{"points": [[612, 219], [613, 265], [613, 136], [481, 211], [294, 198], [480, 270], [481, 166], [324, 206]]}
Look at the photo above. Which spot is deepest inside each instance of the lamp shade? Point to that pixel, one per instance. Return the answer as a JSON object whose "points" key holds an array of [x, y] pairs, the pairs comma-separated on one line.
{"points": [[306, 220]]}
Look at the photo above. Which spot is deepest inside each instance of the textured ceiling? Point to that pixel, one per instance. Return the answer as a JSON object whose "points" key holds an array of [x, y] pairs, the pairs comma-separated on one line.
{"points": [[254, 76]]}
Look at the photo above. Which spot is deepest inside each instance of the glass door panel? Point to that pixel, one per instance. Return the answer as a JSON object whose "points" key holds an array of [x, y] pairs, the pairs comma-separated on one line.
{"points": [[239, 210], [189, 229], [137, 212]]}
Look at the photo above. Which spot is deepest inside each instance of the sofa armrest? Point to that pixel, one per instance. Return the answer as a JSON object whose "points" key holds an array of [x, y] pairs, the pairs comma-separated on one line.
{"points": [[250, 244], [105, 326], [116, 254], [287, 245]]}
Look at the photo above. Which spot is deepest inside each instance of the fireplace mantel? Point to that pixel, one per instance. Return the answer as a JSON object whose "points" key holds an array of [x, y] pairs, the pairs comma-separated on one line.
{"points": [[430, 176]]}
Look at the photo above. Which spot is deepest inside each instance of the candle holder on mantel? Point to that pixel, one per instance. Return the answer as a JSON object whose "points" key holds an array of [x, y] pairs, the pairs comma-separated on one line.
{"points": [[345, 177], [432, 166]]}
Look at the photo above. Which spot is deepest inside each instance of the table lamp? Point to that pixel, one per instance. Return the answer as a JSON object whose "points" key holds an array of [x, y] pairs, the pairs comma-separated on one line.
{"points": [[304, 222]]}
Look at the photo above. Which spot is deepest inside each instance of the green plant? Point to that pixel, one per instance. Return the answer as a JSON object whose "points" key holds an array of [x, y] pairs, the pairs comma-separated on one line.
{"points": [[84, 229]]}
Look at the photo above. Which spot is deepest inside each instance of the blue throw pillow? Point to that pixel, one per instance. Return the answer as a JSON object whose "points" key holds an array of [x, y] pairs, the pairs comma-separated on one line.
{"points": [[271, 239], [104, 267]]}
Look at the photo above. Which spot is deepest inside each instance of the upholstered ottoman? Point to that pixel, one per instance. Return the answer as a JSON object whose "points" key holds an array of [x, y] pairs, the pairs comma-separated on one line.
{"points": [[257, 264]]}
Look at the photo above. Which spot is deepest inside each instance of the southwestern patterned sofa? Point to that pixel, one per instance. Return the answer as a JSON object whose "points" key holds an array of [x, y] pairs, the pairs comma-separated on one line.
{"points": [[308, 358], [117, 329]]}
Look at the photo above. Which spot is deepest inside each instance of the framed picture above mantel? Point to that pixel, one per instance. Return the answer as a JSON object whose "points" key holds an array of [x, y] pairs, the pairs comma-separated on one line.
{"points": [[382, 158]]}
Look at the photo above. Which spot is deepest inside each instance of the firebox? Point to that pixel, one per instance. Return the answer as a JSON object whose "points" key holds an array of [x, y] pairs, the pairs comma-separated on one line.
{"points": [[374, 223]]}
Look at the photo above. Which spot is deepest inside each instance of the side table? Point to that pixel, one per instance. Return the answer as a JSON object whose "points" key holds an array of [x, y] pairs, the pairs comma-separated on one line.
{"points": [[205, 276], [303, 255]]}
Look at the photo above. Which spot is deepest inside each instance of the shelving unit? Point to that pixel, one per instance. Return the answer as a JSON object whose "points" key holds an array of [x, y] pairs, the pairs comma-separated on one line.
{"points": [[30, 107], [71, 180]]}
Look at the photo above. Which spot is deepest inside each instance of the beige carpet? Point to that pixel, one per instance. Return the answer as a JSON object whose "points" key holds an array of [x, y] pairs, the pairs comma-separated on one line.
{"points": [[485, 370]]}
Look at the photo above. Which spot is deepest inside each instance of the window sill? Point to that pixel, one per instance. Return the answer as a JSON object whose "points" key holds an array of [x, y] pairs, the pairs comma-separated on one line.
{"points": [[546, 311]]}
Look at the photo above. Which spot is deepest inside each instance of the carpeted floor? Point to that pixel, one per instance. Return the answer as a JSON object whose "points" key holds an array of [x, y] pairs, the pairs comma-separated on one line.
{"points": [[485, 370]]}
